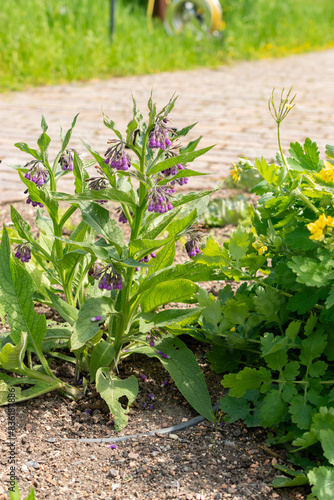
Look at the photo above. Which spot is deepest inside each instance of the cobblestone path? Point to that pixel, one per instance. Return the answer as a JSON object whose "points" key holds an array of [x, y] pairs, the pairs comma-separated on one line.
{"points": [[229, 104]]}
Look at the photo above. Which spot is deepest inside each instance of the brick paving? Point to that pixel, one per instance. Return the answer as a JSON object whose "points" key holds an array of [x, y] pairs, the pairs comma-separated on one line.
{"points": [[229, 104]]}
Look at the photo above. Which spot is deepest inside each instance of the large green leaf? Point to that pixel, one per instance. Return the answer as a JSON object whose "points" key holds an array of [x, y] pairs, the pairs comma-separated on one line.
{"points": [[85, 328], [112, 389], [11, 356], [197, 272], [102, 355], [109, 194], [99, 219], [80, 174], [174, 160], [66, 139], [164, 258], [66, 311], [16, 291], [180, 290], [184, 370], [322, 481]]}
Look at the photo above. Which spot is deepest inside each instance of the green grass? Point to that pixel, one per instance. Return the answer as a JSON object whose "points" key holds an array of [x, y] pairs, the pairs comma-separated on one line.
{"points": [[57, 41]]}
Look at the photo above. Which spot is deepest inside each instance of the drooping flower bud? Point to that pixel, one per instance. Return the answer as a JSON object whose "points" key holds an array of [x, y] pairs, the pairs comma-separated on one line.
{"points": [[116, 157], [22, 252], [66, 160]]}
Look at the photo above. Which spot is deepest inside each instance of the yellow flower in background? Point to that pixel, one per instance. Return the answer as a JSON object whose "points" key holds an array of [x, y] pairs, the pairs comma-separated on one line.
{"points": [[232, 329], [235, 173], [327, 173], [317, 228]]}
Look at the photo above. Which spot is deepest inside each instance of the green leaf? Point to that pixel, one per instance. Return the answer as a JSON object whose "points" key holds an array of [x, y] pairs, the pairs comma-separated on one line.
{"points": [[301, 412], [164, 258], [212, 254], [235, 312], [110, 124], [305, 300], [307, 159], [268, 303], [109, 194], [287, 482], [273, 409], [327, 442], [179, 290], [322, 481], [330, 151], [102, 355], [274, 351], [43, 143], [198, 272], [174, 160], [68, 134], [212, 312], [318, 369], [66, 311], [171, 317], [184, 370], [80, 174], [310, 272], [11, 357], [25, 148], [177, 226], [312, 347], [223, 359], [238, 244], [248, 378], [234, 408], [16, 291], [99, 219], [21, 226], [291, 370], [112, 390], [85, 328], [184, 131], [273, 174]]}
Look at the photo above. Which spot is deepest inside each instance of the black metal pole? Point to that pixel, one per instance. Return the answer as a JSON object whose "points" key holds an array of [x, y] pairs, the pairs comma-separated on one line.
{"points": [[112, 17]]}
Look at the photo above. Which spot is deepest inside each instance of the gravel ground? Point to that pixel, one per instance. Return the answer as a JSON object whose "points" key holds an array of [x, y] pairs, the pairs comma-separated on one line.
{"points": [[203, 462]]}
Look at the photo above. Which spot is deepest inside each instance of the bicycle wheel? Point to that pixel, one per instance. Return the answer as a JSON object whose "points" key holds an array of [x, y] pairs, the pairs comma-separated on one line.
{"points": [[200, 16]]}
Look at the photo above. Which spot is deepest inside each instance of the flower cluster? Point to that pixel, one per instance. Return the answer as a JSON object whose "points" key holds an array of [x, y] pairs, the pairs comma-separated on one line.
{"points": [[173, 171], [23, 252], [327, 173], [34, 203], [66, 160], [37, 173], [116, 157], [318, 227], [121, 216], [96, 184], [159, 136], [195, 240], [158, 199], [109, 279]]}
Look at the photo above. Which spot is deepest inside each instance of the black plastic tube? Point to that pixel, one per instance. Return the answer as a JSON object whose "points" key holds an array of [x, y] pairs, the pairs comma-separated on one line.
{"points": [[167, 430]]}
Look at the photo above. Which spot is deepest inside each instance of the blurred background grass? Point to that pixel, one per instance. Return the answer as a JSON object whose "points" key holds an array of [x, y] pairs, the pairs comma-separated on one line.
{"points": [[55, 41]]}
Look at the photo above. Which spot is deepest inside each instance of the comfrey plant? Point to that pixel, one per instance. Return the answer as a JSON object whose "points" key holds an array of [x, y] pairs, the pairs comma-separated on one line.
{"points": [[273, 337], [108, 290]]}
